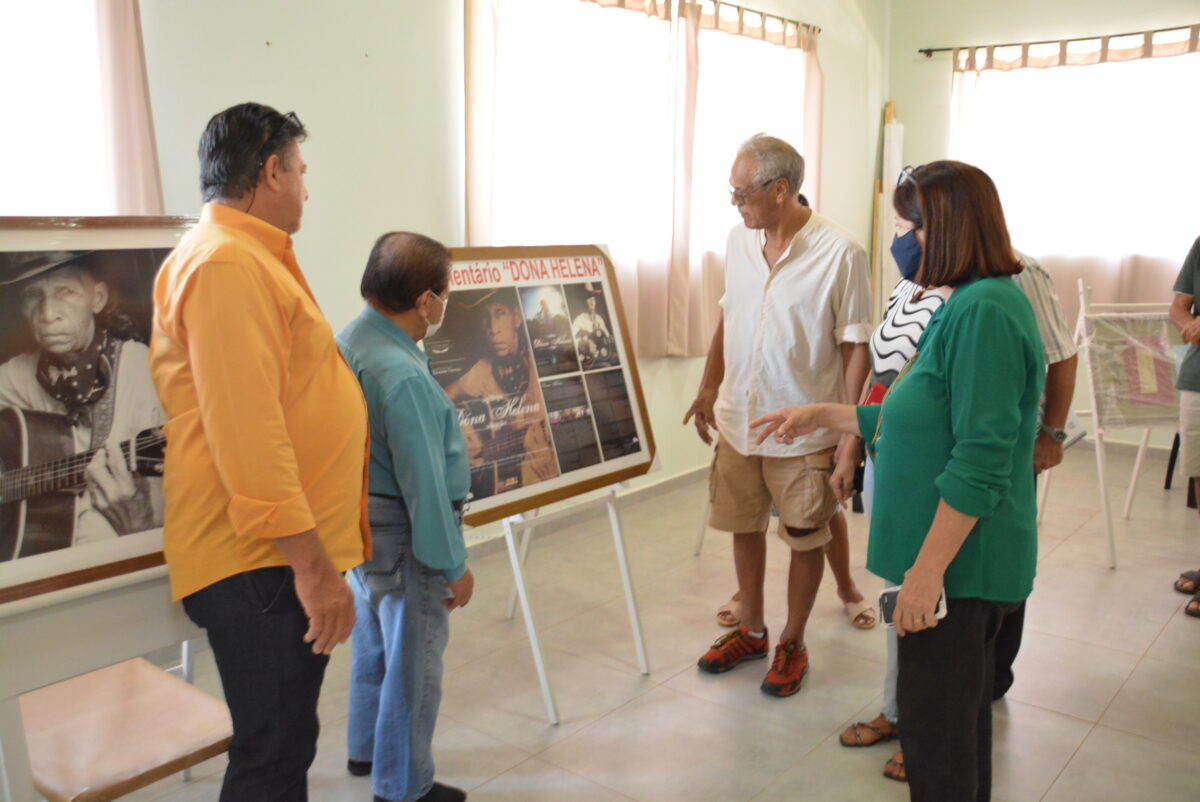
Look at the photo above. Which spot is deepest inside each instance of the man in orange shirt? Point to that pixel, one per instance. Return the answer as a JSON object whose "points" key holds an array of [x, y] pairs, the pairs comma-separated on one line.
{"points": [[266, 450]]}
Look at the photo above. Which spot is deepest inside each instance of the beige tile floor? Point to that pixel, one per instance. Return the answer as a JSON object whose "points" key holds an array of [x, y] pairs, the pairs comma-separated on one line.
{"points": [[1106, 705]]}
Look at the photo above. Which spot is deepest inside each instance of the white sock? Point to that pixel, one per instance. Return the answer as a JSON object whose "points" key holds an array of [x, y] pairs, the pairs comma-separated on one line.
{"points": [[759, 635]]}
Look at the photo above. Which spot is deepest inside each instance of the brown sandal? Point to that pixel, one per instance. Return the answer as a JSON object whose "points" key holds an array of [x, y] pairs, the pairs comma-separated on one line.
{"points": [[874, 732], [1188, 582], [1192, 608], [894, 768]]}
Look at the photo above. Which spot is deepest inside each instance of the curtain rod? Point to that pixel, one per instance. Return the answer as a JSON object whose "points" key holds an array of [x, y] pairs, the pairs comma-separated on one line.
{"points": [[928, 52]]}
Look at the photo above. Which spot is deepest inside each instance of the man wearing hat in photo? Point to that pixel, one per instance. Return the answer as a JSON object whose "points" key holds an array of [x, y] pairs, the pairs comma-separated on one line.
{"points": [[85, 364], [519, 452]]}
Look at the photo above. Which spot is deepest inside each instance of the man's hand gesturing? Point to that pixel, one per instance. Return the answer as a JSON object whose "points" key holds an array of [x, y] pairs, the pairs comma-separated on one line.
{"points": [[702, 410]]}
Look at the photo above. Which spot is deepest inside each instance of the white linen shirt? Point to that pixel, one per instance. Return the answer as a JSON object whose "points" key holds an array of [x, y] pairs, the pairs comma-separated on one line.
{"points": [[783, 329]]}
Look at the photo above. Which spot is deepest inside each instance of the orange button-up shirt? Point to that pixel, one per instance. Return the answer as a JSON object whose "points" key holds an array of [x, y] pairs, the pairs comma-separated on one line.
{"points": [[267, 427]]}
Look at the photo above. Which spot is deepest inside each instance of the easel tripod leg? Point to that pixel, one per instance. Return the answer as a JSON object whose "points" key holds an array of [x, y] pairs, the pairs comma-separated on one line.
{"points": [[534, 645], [635, 619]]}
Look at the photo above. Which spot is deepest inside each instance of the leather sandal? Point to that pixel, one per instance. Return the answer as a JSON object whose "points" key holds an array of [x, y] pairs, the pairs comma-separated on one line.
{"points": [[869, 733], [1188, 576], [1192, 608], [894, 768]]}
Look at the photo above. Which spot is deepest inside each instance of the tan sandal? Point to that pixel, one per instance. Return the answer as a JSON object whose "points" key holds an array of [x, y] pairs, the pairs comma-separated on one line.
{"points": [[862, 614], [729, 614], [869, 733], [894, 768]]}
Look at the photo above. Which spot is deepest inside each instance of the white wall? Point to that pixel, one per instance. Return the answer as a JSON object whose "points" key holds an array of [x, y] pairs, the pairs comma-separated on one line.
{"points": [[379, 85]]}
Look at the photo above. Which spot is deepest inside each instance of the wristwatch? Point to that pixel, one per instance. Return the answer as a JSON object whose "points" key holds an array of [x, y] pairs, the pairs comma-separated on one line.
{"points": [[1057, 435]]}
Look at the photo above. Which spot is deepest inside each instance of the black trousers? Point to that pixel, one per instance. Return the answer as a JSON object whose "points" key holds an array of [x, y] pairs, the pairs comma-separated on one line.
{"points": [[272, 681], [945, 696], [1008, 643]]}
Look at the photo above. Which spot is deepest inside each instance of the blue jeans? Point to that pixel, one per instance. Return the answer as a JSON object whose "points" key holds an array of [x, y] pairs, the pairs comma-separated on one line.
{"points": [[272, 680], [397, 647]]}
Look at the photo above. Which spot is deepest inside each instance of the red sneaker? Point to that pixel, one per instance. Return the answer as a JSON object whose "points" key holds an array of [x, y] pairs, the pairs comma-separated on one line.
{"points": [[732, 648], [787, 669]]}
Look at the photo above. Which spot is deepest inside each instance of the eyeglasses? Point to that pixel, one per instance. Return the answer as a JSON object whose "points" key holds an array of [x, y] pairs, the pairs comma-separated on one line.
{"points": [[288, 119], [909, 174], [741, 196]]}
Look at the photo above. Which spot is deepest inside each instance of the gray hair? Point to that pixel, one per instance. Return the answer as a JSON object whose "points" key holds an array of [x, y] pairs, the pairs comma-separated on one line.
{"points": [[776, 159]]}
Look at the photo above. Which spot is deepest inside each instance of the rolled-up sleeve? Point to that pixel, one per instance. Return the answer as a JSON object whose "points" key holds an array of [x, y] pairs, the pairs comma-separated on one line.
{"points": [[853, 315], [416, 436], [238, 345], [987, 374]]}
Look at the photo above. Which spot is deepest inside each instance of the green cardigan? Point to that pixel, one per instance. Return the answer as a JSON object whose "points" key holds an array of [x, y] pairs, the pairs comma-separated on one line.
{"points": [[960, 426]]}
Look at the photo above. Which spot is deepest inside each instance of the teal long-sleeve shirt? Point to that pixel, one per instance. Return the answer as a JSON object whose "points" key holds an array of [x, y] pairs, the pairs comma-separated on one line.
{"points": [[959, 425], [417, 450]]}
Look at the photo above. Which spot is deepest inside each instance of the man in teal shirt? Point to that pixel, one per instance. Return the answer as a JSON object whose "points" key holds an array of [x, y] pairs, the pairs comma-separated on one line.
{"points": [[419, 478]]}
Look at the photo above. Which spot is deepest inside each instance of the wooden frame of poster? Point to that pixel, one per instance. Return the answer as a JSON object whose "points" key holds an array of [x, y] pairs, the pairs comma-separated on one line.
{"points": [[50, 535], [535, 353]]}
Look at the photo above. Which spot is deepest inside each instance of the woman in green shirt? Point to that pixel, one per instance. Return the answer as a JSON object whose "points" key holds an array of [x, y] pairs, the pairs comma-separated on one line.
{"points": [[954, 496]]}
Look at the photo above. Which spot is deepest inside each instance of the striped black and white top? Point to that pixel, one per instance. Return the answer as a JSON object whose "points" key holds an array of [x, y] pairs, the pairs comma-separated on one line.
{"points": [[894, 341]]}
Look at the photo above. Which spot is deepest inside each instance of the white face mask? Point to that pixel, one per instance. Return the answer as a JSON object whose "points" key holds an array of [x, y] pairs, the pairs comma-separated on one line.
{"points": [[433, 327]]}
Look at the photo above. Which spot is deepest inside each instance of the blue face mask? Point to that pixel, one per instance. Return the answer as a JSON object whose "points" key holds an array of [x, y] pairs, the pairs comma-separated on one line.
{"points": [[907, 253]]}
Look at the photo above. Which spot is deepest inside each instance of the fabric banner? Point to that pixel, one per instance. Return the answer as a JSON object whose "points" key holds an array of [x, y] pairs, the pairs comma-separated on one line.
{"points": [[1131, 361]]}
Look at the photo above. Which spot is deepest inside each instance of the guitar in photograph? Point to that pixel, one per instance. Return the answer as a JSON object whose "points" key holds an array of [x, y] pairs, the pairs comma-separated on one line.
{"points": [[41, 477]]}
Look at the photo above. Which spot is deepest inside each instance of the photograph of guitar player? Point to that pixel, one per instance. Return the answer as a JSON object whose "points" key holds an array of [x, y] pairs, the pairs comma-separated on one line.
{"points": [[78, 411], [501, 408]]}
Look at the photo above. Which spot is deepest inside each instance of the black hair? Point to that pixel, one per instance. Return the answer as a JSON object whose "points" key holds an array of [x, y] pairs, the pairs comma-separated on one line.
{"points": [[401, 267], [237, 142], [905, 202]]}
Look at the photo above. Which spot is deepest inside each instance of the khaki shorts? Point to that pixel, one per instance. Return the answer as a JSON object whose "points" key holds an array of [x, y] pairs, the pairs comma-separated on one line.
{"points": [[1189, 433], [742, 490]]}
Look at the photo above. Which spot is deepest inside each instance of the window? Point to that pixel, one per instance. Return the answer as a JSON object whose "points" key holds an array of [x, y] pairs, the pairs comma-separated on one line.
{"points": [[78, 137], [1089, 160], [617, 127]]}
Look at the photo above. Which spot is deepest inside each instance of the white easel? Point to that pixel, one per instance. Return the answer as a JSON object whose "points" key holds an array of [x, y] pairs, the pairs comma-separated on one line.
{"points": [[1089, 315], [525, 525]]}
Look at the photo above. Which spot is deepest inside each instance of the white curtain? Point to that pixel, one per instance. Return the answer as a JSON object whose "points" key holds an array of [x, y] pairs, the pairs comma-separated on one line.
{"points": [[1097, 166], [77, 137], [588, 124]]}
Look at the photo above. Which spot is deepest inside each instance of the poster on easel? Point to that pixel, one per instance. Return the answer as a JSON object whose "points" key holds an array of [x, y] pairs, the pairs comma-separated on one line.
{"points": [[81, 446], [1131, 356], [535, 355]]}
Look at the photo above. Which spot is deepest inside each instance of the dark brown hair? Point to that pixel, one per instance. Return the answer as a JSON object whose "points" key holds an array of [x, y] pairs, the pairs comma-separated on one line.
{"points": [[401, 267], [965, 233]]}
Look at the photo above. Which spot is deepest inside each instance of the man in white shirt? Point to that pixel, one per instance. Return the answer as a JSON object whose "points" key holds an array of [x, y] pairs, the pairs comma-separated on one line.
{"points": [[794, 329]]}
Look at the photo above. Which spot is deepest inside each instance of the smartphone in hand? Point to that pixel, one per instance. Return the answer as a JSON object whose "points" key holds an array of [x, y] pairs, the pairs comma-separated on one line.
{"points": [[887, 605]]}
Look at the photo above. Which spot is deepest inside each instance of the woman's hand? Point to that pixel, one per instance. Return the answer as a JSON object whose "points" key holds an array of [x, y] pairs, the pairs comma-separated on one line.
{"points": [[916, 604], [787, 423], [841, 481]]}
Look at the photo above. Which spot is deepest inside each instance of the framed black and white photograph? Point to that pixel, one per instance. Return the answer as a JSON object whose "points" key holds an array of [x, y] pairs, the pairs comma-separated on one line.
{"points": [[81, 443]]}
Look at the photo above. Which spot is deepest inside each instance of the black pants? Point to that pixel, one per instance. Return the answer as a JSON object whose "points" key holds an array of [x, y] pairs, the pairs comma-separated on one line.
{"points": [[1008, 643], [945, 696], [271, 678]]}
